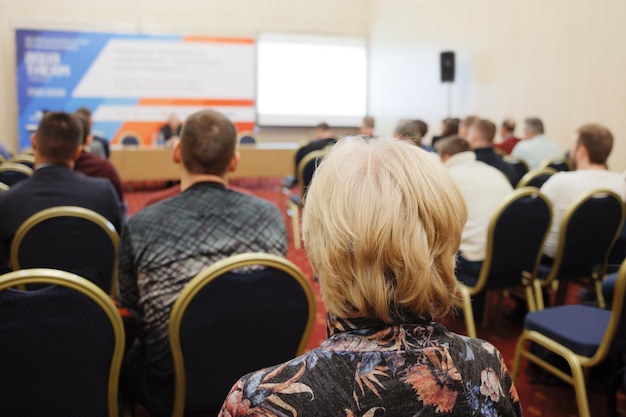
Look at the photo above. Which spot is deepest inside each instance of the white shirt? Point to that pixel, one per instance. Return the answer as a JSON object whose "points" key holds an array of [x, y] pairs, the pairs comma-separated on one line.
{"points": [[483, 188], [536, 150], [563, 188]]}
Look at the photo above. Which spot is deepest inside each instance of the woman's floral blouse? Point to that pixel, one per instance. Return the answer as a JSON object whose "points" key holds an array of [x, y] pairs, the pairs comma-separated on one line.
{"points": [[369, 369]]}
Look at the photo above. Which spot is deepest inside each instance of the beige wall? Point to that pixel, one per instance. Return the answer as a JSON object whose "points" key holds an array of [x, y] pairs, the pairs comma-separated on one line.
{"points": [[200, 17], [562, 60]]}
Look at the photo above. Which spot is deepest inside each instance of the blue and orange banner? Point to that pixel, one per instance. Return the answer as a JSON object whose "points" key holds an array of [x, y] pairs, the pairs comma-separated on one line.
{"points": [[133, 82]]}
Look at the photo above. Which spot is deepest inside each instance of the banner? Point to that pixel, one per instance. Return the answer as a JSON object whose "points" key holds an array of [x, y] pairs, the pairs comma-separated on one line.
{"points": [[132, 83]]}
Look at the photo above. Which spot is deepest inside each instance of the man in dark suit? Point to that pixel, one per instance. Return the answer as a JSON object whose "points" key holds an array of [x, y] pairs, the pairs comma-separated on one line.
{"points": [[57, 145], [480, 137]]}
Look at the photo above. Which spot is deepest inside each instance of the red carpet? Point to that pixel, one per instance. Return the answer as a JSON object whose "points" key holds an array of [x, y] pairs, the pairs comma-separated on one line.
{"points": [[537, 400]]}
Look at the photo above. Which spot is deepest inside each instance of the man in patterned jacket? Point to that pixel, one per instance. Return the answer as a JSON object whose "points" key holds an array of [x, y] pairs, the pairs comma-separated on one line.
{"points": [[165, 245]]}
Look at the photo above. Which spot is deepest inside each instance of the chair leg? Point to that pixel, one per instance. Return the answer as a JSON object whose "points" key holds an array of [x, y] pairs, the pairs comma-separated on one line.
{"points": [[517, 358], [530, 298], [579, 386], [600, 297], [468, 312], [295, 221], [538, 294]]}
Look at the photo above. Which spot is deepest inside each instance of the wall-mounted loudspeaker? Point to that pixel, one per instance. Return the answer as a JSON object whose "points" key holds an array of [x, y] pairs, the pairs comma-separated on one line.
{"points": [[447, 66]]}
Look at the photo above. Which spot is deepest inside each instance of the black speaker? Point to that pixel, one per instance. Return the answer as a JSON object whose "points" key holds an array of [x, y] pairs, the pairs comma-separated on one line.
{"points": [[447, 66]]}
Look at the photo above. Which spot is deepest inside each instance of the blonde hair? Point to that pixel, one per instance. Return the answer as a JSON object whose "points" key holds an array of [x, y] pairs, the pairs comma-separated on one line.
{"points": [[382, 224]]}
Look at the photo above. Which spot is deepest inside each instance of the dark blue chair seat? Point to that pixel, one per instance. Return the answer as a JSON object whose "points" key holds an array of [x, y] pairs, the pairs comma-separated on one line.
{"points": [[577, 327]]}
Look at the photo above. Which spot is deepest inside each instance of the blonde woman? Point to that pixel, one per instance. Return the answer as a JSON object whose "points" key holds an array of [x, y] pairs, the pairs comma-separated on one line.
{"points": [[382, 225]]}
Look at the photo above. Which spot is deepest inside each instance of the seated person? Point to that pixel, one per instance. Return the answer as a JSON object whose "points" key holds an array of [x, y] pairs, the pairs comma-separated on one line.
{"points": [[483, 188], [165, 245], [367, 127], [92, 165], [170, 131], [480, 137], [411, 130], [535, 147], [590, 150], [449, 127], [465, 125], [99, 146], [385, 261], [323, 137], [509, 140], [54, 183]]}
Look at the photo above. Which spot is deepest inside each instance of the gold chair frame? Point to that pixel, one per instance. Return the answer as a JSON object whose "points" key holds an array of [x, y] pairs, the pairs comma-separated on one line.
{"points": [[17, 167], [74, 282], [579, 365], [66, 211], [596, 275], [548, 162], [206, 276], [526, 280], [3, 187], [23, 157], [531, 175], [296, 208]]}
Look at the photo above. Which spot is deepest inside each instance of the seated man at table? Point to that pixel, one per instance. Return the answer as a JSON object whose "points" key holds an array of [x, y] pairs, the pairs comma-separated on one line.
{"points": [[323, 137], [165, 245], [56, 145]]}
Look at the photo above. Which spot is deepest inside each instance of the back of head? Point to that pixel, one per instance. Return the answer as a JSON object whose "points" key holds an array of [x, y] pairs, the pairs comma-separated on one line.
{"points": [[382, 224], [85, 124], [423, 126], [453, 145], [468, 121], [508, 125], [207, 143], [534, 125], [486, 130], [409, 130], [598, 140], [368, 122], [450, 126], [58, 137]]}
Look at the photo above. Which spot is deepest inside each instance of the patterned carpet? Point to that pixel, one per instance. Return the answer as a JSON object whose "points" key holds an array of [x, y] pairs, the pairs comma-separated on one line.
{"points": [[556, 400]]}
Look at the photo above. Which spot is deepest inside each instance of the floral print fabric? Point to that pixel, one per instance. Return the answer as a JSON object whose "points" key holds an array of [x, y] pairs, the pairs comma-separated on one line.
{"points": [[368, 369]]}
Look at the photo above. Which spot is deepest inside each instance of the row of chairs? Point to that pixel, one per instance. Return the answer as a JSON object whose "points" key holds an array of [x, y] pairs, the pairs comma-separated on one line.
{"points": [[66, 341], [17, 169]]}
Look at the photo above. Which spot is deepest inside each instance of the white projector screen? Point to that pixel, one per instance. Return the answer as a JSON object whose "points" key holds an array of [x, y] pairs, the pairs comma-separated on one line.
{"points": [[303, 80]]}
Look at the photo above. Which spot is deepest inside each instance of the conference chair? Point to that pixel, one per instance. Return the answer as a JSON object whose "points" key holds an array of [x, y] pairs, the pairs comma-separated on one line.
{"points": [[130, 139], [248, 138], [588, 230], [306, 169], [519, 165], [24, 159], [582, 335], [536, 178], [62, 346], [3, 187], [11, 173], [515, 238], [234, 318], [73, 239], [560, 163]]}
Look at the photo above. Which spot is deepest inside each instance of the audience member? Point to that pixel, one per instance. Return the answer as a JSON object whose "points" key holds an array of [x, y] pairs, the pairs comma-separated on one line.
{"points": [[480, 137], [508, 137], [56, 145], [449, 127], [323, 137], [170, 131], [99, 146], [165, 245], [382, 224], [590, 150], [465, 125], [411, 130], [367, 127], [92, 165], [483, 188], [536, 147]]}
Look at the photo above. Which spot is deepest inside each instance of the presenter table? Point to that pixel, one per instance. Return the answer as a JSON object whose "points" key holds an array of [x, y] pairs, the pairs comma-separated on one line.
{"points": [[150, 163]]}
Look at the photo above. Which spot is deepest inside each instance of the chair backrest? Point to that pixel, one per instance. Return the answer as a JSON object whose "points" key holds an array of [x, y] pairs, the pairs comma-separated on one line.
{"points": [[62, 346], [222, 312], [588, 230], [24, 159], [73, 239], [308, 165], [536, 178], [560, 163], [130, 139], [3, 187], [11, 173], [515, 238], [614, 339], [248, 138], [519, 165]]}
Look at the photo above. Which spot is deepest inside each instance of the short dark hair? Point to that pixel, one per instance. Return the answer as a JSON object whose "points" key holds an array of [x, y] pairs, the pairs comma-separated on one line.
{"points": [[58, 136], [452, 146], [410, 130], [598, 140], [534, 124], [84, 124], [450, 126], [323, 126], [508, 125], [84, 111], [207, 143], [486, 129]]}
